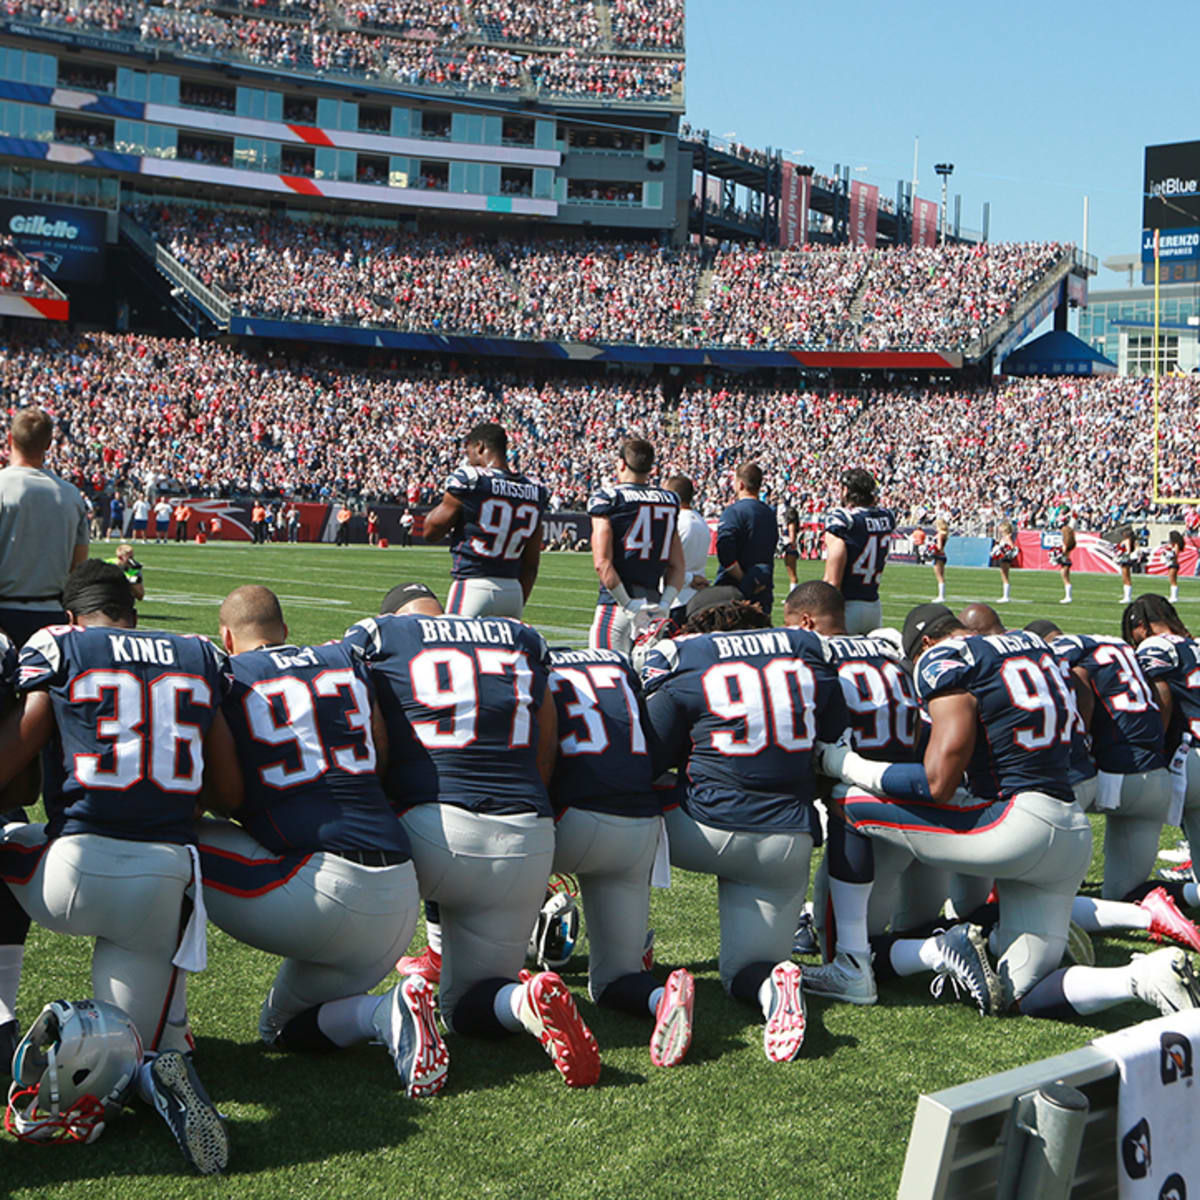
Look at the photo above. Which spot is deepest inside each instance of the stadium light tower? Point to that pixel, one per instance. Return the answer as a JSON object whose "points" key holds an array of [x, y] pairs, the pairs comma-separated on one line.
{"points": [[945, 170]]}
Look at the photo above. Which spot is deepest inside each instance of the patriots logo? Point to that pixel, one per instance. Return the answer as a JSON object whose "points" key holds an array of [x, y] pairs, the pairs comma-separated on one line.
{"points": [[29, 674], [931, 672]]}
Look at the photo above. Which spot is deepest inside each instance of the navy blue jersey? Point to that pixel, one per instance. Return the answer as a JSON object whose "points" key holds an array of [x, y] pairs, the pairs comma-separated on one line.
{"points": [[643, 520], [603, 757], [744, 709], [500, 512], [1024, 711], [747, 534], [1127, 731], [302, 722], [867, 533], [131, 708], [460, 697], [8, 671], [1083, 764], [1177, 661], [881, 701]]}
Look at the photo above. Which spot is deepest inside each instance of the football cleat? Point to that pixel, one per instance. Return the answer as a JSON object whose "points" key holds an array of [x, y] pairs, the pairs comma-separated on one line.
{"points": [[648, 951], [181, 1101], [673, 1021], [966, 968], [783, 1034], [1166, 921], [846, 978], [427, 964], [805, 940], [1166, 980], [407, 1025], [1177, 854], [1080, 950], [548, 1012], [1181, 874]]}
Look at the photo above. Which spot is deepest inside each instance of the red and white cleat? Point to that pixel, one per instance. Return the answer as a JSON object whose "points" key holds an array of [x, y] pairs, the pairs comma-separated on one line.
{"points": [[549, 1013], [783, 1035], [427, 964], [1166, 921], [407, 1025], [673, 1021]]}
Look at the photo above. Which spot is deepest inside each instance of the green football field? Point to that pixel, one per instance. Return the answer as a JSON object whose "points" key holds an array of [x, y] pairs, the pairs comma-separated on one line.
{"points": [[724, 1124]]}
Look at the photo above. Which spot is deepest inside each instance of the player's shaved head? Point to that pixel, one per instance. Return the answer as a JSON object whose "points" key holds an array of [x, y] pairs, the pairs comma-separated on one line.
{"points": [[251, 617], [683, 487], [815, 604], [31, 431], [750, 476], [981, 618]]}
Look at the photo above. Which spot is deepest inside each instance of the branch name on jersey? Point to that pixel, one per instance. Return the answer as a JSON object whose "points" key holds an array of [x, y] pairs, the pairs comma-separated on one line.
{"points": [[1177, 660], [881, 701], [643, 520], [500, 511], [743, 710], [1025, 711], [604, 762], [131, 709], [459, 697], [1127, 731], [867, 533], [301, 718]]}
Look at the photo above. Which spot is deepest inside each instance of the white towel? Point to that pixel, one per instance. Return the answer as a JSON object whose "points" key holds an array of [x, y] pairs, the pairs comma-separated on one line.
{"points": [[1178, 781], [660, 876], [192, 954], [1158, 1152], [1108, 791]]}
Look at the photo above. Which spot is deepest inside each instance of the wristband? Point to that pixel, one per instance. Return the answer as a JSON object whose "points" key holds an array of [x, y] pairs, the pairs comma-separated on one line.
{"points": [[620, 595], [669, 596]]}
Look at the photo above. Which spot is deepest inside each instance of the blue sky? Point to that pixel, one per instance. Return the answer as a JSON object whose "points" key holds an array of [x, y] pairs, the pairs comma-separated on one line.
{"points": [[1037, 105]]}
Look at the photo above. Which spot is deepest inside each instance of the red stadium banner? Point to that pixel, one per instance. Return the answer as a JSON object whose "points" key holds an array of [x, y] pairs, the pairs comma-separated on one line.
{"points": [[864, 214], [1189, 559], [1091, 553], [925, 222], [793, 209]]}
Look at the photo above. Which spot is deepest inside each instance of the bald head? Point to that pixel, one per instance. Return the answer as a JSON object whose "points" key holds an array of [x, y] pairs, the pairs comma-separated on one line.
{"points": [[251, 617], [981, 618]]}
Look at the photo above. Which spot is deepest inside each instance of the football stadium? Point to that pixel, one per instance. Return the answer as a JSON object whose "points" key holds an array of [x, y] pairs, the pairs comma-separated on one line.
{"points": [[550, 651]]}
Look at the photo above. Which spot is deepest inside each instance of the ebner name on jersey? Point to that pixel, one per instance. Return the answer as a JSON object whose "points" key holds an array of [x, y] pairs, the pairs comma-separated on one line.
{"points": [[878, 524], [439, 629]]}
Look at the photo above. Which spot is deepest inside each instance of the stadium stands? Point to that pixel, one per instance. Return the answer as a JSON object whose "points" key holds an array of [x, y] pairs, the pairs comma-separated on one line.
{"points": [[591, 290], [18, 274], [139, 412]]}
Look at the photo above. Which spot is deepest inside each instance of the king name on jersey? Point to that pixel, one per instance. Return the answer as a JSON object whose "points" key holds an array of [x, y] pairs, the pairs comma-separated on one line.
{"points": [[132, 648]]}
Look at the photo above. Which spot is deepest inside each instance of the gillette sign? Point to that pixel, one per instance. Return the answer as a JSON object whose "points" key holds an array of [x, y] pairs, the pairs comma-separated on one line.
{"points": [[1171, 201], [66, 242]]}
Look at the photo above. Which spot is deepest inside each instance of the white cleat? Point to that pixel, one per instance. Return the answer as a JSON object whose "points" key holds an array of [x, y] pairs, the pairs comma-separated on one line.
{"points": [[787, 1020], [1165, 979]]}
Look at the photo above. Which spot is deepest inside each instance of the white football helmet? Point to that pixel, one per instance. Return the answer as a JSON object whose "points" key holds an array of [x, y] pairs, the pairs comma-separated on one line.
{"points": [[556, 931], [72, 1072]]}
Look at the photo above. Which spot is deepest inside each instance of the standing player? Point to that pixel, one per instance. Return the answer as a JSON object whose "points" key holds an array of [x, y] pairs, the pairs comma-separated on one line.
{"points": [[635, 549], [136, 742], [1061, 558], [494, 518], [607, 832], [318, 869], [472, 739], [747, 535], [857, 539], [742, 707], [695, 538], [1004, 554]]}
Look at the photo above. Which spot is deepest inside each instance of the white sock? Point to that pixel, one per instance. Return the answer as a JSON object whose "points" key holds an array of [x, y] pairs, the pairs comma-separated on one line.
{"points": [[346, 1022], [1068, 591], [655, 997], [1098, 915], [850, 902], [1127, 596], [1092, 989], [507, 1006], [914, 956], [433, 934], [764, 997], [11, 958], [1004, 592], [1191, 895], [941, 595], [1174, 595]]}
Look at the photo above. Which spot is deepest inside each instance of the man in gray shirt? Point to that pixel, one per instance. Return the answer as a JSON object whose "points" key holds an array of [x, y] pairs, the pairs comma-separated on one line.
{"points": [[43, 530]]}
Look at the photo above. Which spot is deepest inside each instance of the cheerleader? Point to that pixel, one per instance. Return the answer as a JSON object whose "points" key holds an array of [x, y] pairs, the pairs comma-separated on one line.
{"points": [[937, 555], [1127, 556], [1004, 554], [1171, 559]]}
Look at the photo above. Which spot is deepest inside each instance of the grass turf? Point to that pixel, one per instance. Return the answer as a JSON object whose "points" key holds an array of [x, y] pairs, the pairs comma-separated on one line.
{"points": [[725, 1123]]}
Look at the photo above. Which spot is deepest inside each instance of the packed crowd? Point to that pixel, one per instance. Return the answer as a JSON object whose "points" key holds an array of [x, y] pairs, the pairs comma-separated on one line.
{"points": [[444, 43], [841, 298], [18, 274], [145, 414]]}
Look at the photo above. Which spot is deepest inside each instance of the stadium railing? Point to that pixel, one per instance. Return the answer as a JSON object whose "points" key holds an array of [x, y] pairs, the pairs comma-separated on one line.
{"points": [[215, 302], [956, 1148]]}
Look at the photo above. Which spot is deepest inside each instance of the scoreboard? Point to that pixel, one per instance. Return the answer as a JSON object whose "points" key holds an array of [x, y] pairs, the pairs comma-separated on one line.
{"points": [[1171, 204]]}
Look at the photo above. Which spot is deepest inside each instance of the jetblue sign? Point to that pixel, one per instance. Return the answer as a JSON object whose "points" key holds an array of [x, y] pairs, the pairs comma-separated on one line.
{"points": [[67, 243]]}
